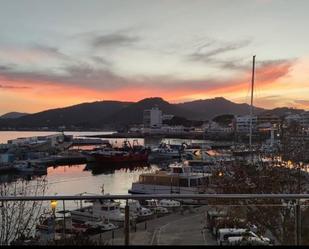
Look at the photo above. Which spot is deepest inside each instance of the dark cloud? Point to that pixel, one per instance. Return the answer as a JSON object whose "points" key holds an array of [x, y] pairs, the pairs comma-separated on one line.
{"points": [[102, 61], [14, 87], [209, 55], [115, 39], [4, 68]]}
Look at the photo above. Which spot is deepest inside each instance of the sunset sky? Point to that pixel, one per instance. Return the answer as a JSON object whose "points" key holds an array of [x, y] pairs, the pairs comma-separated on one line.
{"points": [[56, 53]]}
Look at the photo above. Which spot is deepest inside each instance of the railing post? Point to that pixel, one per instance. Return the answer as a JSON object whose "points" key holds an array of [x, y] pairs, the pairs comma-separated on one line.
{"points": [[64, 225], [298, 222], [127, 225]]}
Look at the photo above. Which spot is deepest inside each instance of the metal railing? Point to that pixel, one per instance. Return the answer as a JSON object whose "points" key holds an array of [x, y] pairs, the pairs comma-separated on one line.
{"points": [[198, 197]]}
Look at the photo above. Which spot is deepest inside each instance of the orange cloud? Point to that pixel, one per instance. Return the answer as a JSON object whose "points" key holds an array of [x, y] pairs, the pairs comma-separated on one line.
{"points": [[272, 78]]}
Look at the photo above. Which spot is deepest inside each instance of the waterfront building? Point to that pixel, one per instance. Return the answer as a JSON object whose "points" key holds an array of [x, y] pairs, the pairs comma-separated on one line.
{"points": [[242, 123], [214, 127], [152, 118], [268, 118]]}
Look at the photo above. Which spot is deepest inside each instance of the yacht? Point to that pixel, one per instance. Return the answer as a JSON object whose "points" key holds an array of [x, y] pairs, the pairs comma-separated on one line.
{"points": [[155, 207], [165, 151], [179, 179], [100, 210]]}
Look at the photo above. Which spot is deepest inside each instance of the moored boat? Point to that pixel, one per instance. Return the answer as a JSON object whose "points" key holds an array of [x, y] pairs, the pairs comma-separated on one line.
{"points": [[180, 179]]}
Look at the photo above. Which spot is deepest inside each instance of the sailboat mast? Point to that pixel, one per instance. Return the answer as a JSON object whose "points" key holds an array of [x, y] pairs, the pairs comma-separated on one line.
{"points": [[251, 106]]}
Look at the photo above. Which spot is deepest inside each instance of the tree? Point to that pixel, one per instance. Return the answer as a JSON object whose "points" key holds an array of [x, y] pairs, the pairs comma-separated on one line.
{"points": [[19, 218]]}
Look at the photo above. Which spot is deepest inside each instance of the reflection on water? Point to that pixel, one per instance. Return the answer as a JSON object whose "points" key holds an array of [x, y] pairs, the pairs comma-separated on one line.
{"points": [[72, 180], [97, 168]]}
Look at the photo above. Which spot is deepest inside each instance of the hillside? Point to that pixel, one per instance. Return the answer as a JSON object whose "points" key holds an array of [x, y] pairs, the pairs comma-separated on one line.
{"points": [[117, 114], [13, 115], [209, 108], [85, 115], [283, 111]]}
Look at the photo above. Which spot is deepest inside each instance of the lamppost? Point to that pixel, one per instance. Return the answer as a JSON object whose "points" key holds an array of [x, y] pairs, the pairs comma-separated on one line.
{"points": [[53, 204]]}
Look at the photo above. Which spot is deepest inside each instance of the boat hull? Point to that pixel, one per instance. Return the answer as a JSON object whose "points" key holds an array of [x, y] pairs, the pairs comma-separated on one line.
{"points": [[130, 158]]}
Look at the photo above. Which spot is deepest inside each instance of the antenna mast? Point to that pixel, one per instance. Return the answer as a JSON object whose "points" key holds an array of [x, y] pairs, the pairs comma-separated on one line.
{"points": [[251, 106]]}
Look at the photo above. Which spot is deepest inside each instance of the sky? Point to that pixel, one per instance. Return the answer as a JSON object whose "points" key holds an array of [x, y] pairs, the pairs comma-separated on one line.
{"points": [[56, 53]]}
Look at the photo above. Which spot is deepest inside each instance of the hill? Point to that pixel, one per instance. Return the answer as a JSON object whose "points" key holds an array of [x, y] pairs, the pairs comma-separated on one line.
{"points": [[117, 114], [209, 108], [283, 111], [13, 115]]}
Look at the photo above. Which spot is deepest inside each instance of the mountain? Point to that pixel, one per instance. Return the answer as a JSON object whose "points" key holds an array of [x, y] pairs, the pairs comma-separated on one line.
{"points": [[133, 114], [82, 115], [209, 108], [13, 115], [117, 114], [283, 111]]}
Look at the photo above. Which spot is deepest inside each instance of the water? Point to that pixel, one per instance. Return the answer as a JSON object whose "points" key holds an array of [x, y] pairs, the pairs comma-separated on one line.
{"points": [[7, 135], [77, 179]]}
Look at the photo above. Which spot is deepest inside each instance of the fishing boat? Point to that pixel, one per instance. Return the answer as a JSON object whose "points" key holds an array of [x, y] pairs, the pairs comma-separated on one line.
{"points": [[179, 179], [126, 154]]}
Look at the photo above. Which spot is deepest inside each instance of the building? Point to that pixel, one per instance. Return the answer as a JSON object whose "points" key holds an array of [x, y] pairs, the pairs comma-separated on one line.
{"points": [[274, 120], [167, 117], [304, 121], [242, 123], [152, 118], [293, 118]]}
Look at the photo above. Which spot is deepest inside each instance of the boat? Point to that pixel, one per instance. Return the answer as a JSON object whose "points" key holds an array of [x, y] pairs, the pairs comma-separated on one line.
{"points": [[98, 211], [136, 210], [27, 166], [155, 207], [169, 203], [179, 179], [102, 225], [165, 151], [126, 154]]}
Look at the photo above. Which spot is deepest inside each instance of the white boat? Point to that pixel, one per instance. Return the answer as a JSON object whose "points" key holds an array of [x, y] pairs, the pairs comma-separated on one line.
{"points": [[100, 210], [155, 206], [102, 225], [164, 151], [180, 179], [247, 241], [169, 203]]}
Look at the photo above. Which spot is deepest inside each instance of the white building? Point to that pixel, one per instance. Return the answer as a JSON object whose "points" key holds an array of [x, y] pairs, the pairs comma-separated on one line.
{"points": [[242, 123], [167, 116], [153, 118]]}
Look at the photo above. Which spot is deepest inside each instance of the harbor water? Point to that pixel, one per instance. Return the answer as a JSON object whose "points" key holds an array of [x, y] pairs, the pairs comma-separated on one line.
{"points": [[77, 179]]}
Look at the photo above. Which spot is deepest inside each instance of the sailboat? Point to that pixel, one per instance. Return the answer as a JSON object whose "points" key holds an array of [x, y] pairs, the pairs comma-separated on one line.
{"points": [[244, 151]]}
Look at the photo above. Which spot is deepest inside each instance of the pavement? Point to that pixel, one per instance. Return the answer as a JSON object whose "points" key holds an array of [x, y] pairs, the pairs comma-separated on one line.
{"points": [[180, 228]]}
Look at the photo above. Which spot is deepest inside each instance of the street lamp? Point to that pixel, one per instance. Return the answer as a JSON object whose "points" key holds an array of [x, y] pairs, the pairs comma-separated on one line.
{"points": [[53, 204]]}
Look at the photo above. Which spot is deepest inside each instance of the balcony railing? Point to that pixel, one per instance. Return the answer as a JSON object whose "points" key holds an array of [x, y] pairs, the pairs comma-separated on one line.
{"points": [[280, 217]]}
